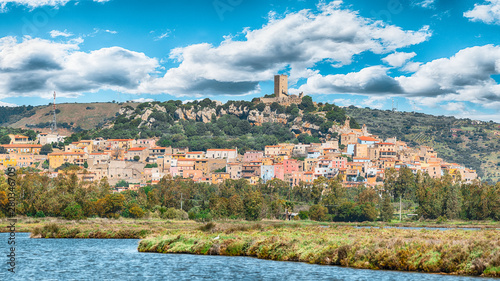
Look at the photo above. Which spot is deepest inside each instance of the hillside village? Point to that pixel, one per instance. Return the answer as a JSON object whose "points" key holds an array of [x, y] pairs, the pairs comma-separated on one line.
{"points": [[357, 157]]}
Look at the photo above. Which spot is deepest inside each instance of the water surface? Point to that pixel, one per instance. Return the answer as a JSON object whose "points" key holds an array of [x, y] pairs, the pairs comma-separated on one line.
{"points": [[118, 259]]}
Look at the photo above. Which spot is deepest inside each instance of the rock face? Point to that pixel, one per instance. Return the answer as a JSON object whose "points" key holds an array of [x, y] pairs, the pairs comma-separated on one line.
{"points": [[254, 116]]}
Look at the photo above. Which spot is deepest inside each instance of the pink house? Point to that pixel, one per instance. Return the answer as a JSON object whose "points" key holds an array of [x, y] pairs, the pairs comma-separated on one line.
{"points": [[250, 156], [279, 171], [290, 165]]}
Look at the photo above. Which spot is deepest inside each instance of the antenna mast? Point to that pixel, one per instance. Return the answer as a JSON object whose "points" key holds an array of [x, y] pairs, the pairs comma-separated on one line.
{"points": [[53, 128]]}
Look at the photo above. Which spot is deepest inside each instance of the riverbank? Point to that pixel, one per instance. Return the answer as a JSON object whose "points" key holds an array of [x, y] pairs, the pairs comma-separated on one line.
{"points": [[454, 251], [95, 228]]}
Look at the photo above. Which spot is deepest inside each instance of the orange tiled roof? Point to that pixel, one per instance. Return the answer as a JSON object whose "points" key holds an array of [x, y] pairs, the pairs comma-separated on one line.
{"points": [[367, 139], [137, 148], [22, 145]]}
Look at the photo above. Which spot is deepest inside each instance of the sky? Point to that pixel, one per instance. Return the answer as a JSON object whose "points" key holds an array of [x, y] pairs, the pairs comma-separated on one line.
{"points": [[439, 57]]}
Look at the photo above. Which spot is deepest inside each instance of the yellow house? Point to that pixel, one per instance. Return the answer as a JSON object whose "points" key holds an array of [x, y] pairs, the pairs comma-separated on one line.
{"points": [[23, 148], [219, 177], [120, 143], [8, 160], [58, 158], [279, 158], [18, 139]]}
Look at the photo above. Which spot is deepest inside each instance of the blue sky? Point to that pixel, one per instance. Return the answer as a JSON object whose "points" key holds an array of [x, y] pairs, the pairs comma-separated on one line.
{"points": [[434, 56]]}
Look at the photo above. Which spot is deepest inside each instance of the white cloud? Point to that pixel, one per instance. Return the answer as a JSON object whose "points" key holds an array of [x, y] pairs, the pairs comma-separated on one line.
{"points": [[374, 102], [370, 80], [8, 104], [330, 34], [466, 76], [426, 4], [455, 106], [111, 31], [141, 100], [37, 3], [488, 13], [57, 33], [36, 67], [163, 35], [398, 59]]}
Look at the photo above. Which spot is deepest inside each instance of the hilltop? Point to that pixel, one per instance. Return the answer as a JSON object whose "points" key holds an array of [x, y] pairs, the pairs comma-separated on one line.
{"points": [[71, 117]]}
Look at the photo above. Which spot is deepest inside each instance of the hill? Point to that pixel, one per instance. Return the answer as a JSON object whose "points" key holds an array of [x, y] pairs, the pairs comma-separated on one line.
{"points": [[71, 117], [473, 143]]}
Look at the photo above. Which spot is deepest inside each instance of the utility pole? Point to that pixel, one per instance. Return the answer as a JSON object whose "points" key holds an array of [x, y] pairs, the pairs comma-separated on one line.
{"points": [[400, 208], [54, 122], [181, 201]]}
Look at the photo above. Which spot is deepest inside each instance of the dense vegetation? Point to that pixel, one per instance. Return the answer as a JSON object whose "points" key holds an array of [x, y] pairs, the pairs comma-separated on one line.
{"points": [[324, 200], [9, 114]]}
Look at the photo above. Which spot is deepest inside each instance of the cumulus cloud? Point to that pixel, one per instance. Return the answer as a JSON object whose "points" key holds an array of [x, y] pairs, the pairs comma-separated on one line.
{"points": [[488, 13], [370, 80], [466, 76], [36, 67], [297, 42], [57, 33], [398, 59]]}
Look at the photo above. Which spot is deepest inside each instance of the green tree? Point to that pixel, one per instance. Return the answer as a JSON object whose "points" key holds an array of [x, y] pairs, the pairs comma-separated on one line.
{"points": [[135, 211], [386, 210], [253, 205], [46, 149], [318, 213], [73, 212], [5, 139]]}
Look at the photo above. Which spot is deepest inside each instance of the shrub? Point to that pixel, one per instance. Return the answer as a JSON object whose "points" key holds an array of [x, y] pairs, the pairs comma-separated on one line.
{"points": [[136, 212], [174, 214], [318, 212], [303, 215], [207, 227], [39, 214], [73, 212]]}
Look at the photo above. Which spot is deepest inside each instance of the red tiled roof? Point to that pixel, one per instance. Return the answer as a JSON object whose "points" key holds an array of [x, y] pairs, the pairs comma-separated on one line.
{"points": [[120, 140], [367, 139], [137, 148]]}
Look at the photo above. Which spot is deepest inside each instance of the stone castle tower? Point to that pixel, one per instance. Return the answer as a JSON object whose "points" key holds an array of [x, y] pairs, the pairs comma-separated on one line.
{"points": [[281, 85]]}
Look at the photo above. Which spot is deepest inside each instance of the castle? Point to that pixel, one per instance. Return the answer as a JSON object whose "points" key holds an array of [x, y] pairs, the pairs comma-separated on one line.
{"points": [[281, 95]]}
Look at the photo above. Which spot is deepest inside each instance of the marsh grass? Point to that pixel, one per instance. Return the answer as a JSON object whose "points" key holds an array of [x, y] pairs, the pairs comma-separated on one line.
{"points": [[452, 251]]}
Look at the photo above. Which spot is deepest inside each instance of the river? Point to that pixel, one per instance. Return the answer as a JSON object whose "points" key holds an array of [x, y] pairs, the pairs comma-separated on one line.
{"points": [[118, 259]]}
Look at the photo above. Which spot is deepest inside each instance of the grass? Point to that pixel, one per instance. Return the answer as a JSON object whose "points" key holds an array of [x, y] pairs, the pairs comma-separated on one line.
{"points": [[456, 251]]}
